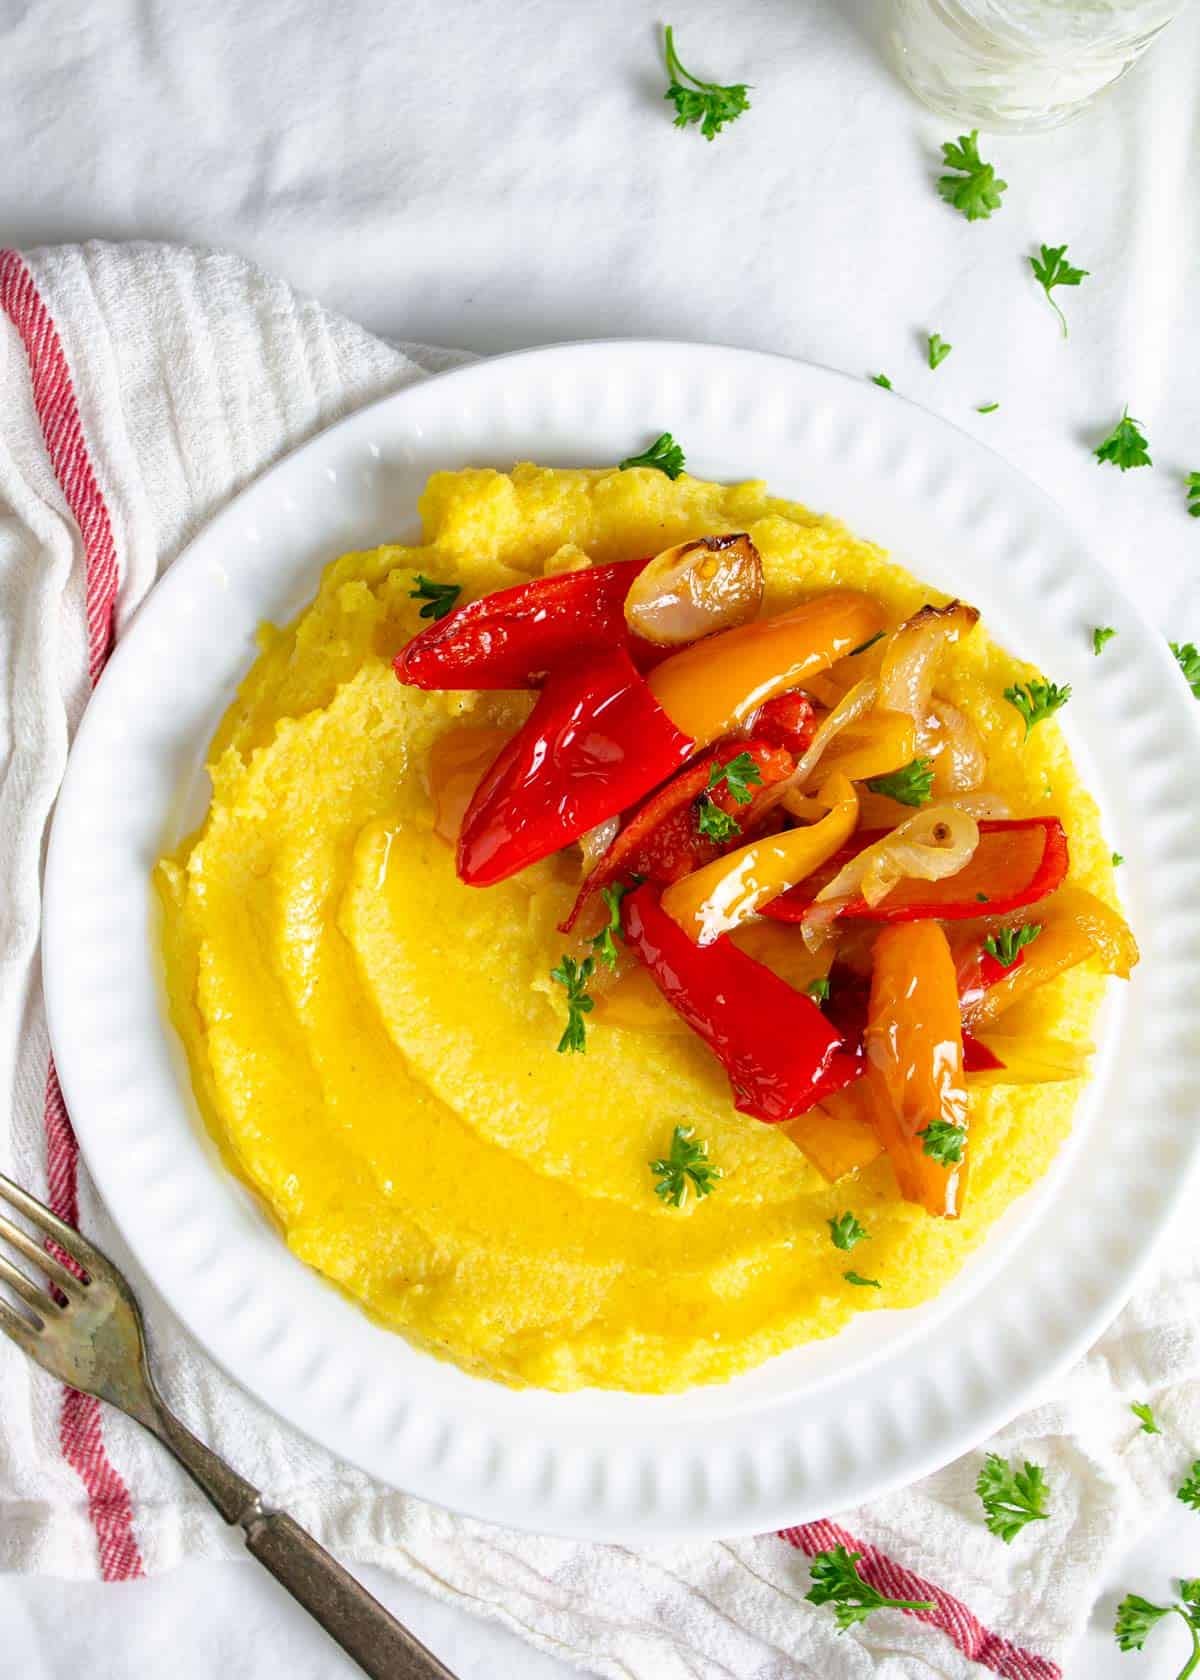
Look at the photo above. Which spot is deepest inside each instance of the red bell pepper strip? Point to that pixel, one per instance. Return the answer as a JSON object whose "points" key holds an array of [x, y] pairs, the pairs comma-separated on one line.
{"points": [[781, 1054], [513, 637], [661, 841], [1015, 863], [789, 720], [596, 740]]}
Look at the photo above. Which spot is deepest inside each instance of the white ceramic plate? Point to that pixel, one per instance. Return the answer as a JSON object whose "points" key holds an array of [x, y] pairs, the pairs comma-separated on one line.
{"points": [[809, 1432]]}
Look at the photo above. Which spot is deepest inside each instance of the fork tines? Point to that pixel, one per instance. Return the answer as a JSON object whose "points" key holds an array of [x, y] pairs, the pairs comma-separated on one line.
{"points": [[34, 1292]]}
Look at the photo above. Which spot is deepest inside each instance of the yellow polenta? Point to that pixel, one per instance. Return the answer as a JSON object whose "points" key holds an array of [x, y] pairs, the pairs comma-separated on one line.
{"points": [[373, 1043]]}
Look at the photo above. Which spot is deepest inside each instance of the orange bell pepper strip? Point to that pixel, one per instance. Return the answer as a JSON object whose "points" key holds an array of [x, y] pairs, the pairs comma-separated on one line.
{"points": [[732, 889], [710, 688], [914, 1056], [1075, 925]]}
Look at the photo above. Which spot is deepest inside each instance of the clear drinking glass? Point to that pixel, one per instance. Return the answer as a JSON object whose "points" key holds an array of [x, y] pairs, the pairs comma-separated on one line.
{"points": [[1019, 64]]}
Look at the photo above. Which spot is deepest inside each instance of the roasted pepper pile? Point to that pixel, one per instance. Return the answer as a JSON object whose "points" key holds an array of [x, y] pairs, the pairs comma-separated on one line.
{"points": [[800, 774]]}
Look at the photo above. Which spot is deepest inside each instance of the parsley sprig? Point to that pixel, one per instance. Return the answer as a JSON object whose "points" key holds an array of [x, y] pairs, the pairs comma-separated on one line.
{"points": [[1188, 659], [913, 785], [974, 187], [944, 1142], [1136, 1616], [1188, 1490], [739, 775], [575, 976], [845, 1231], [439, 598], [1037, 700], [1052, 269], [1006, 943], [1011, 1498], [1101, 636], [664, 454], [706, 103], [686, 1166], [938, 350], [1192, 486], [605, 941], [836, 1581], [1126, 445], [1141, 1410], [882, 380]]}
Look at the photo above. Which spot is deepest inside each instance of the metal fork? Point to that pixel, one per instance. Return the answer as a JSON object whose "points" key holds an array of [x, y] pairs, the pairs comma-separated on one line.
{"points": [[87, 1330]]}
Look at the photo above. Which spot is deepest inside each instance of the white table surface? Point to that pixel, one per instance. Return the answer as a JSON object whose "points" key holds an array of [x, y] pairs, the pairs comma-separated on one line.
{"points": [[495, 175]]}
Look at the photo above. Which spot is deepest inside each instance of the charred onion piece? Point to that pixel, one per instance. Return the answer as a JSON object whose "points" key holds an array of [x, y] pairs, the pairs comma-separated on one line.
{"points": [[696, 588]]}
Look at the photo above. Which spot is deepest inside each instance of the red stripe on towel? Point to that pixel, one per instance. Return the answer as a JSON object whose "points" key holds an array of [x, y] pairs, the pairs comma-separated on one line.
{"points": [[80, 1426], [950, 1614]]}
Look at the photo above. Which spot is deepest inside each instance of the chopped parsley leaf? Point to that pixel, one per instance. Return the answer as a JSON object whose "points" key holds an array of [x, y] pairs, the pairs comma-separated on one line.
{"points": [[1036, 700], [1125, 446], [687, 1166], [575, 976], [707, 103], [944, 1143], [846, 1231], [913, 785], [1005, 943], [974, 187], [664, 454], [439, 598], [836, 1581], [1011, 1498], [1053, 269]]}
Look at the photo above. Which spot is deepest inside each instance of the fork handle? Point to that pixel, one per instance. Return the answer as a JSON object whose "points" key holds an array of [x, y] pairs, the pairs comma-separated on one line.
{"points": [[366, 1631]]}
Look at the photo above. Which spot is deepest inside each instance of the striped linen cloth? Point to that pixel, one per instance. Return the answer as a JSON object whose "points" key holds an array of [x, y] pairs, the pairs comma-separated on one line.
{"points": [[141, 386]]}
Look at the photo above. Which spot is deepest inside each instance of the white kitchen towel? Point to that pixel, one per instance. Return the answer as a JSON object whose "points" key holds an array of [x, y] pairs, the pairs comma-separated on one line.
{"points": [[140, 387]]}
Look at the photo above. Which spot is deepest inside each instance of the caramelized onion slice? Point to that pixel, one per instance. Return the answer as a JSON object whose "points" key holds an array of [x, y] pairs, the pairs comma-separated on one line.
{"points": [[929, 846], [910, 664], [695, 589], [954, 748], [596, 842], [854, 704]]}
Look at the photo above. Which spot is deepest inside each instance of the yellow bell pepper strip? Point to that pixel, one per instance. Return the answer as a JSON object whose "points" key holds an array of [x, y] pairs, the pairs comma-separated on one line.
{"points": [[713, 686], [837, 1135], [732, 889], [874, 746], [1075, 925], [1022, 1060], [635, 1003], [914, 1055]]}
